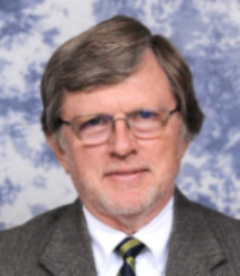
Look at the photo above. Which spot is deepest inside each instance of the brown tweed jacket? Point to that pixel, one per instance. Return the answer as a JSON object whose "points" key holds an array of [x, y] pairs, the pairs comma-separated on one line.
{"points": [[203, 243]]}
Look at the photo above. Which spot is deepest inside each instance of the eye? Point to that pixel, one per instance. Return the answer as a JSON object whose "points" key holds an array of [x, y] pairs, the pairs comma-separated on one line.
{"points": [[92, 122], [146, 114], [95, 122]]}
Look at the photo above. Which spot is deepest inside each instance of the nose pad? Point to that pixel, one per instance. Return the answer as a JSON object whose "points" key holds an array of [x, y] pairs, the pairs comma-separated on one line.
{"points": [[127, 124], [123, 119], [122, 141]]}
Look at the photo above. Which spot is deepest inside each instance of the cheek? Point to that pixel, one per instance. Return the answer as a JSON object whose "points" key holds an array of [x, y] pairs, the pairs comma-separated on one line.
{"points": [[163, 154], [86, 162]]}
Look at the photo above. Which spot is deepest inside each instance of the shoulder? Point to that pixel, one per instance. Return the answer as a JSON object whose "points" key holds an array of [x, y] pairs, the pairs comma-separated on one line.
{"points": [[225, 228], [30, 238], [37, 224], [214, 217]]}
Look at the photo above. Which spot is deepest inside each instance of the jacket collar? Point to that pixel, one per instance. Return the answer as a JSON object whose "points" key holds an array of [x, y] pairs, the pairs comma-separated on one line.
{"points": [[69, 251], [193, 249]]}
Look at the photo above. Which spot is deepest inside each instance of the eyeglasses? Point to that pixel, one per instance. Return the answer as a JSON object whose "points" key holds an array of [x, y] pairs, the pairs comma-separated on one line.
{"points": [[97, 129]]}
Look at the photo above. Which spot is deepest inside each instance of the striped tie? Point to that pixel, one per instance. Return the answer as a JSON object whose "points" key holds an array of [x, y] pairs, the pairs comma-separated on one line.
{"points": [[129, 248]]}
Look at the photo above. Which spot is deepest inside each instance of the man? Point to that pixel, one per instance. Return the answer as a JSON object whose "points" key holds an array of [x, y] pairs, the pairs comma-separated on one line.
{"points": [[119, 112]]}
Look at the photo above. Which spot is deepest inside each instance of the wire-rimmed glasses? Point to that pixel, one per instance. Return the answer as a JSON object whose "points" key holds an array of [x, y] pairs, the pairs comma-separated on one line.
{"points": [[97, 129]]}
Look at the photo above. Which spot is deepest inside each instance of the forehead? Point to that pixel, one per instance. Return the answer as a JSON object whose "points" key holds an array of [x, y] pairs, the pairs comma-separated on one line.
{"points": [[148, 86]]}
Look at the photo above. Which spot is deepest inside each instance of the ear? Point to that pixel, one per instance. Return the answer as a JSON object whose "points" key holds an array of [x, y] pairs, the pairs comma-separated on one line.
{"points": [[185, 144], [58, 150]]}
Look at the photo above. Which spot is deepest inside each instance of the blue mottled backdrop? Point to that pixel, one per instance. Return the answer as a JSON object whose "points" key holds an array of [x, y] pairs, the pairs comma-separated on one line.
{"points": [[207, 32]]}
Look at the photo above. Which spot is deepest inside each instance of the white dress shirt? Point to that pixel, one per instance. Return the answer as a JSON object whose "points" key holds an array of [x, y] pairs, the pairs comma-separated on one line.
{"points": [[155, 235]]}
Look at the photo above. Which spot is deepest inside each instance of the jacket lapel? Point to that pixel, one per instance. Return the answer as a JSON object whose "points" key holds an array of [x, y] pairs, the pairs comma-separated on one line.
{"points": [[69, 251], [193, 249]]}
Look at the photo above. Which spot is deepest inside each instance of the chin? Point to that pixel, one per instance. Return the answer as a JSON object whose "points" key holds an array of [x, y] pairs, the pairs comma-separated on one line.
{"points": [[128, 204], [126, 209], [125, 199]]}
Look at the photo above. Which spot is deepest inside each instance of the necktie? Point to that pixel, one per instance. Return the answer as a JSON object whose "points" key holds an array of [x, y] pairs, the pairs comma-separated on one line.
{"points": [[129, 248]]}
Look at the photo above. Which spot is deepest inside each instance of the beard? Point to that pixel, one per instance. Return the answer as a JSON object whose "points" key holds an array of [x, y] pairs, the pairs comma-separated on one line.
{"points": [[127, 199]]}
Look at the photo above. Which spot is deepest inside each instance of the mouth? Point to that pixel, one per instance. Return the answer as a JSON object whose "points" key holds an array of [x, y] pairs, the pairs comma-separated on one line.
{"points": [[126, 175]]}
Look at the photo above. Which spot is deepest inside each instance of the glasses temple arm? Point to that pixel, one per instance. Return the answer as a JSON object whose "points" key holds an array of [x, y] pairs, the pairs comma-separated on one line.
{"points": [[61, 121]]}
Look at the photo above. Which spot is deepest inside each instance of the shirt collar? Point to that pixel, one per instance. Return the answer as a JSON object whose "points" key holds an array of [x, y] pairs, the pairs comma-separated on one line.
{"points": [[155, 235], [106, 238]]}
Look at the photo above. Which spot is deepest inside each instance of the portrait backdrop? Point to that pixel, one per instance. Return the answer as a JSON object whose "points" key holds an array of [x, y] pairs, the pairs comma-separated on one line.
{"points": [[207, 33]]}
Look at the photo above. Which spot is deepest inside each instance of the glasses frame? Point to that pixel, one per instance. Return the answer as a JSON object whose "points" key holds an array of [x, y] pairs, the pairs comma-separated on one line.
{"points": [[125, 118]]}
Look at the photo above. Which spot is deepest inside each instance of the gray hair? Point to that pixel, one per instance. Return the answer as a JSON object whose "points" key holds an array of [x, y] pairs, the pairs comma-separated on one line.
{"points": [[106, 54]]}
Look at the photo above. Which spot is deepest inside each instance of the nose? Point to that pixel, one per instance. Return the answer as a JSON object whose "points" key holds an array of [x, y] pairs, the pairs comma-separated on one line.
{"points": [[122, 142]]}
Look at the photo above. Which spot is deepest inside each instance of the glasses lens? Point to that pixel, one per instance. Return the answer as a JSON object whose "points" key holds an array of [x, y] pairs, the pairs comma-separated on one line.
{"points": [[92, 129], [96, 129], [148, 123]]}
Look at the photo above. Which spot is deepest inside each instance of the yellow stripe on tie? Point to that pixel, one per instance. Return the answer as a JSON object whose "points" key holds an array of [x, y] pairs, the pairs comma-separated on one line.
{"points": [[131, 262], [129, 249], [128, 245]]}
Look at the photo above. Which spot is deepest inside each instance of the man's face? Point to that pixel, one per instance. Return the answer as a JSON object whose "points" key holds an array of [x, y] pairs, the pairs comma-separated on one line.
{"points": [[125, 176]]}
